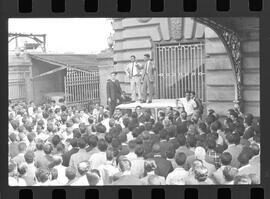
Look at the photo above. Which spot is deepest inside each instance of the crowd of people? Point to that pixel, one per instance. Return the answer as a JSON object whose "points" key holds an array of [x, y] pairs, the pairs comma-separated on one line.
{"points": [[51, 145]]}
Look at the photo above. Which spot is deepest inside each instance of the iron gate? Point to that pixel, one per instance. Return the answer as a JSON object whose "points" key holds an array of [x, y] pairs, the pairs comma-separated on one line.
{"points": [[81, 88], [180, 68]]}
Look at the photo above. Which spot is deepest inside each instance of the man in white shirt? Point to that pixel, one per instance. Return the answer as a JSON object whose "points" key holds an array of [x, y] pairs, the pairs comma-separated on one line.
{"points": [[133, 71], [178, 175], [188, 104]]}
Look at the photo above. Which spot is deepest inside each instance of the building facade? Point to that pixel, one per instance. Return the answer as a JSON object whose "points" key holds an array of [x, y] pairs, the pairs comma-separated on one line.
{"points": [[197, 54]]}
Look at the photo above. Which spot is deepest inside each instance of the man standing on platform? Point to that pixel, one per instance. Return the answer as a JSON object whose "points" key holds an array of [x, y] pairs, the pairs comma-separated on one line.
{"points": [[133, 72], [114, 92], [148, 79]]}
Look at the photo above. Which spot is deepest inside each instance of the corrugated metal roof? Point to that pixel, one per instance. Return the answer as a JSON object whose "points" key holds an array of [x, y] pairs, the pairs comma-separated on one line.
{"points": [[81, 61]]}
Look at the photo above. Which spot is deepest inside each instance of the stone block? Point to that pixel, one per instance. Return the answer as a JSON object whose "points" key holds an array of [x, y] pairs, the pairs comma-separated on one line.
{"points": [[220, 78], [188, 28], [125, 55], [251, 46], [139, 43], [251, 79], [251, 95], [251, 62], [220, 93], [218, 62], [253, 108]]}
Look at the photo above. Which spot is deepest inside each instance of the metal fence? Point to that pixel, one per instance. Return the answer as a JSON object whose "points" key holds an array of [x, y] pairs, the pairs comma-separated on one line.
{"points": [[180, 68], [17, 85], [81, 88]]}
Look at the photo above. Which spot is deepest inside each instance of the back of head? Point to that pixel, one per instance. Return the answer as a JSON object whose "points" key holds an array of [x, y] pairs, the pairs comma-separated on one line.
{"points": [[255, 149], [70, 173], [180, 159], [229, 173], [22, 168], [93, 177], [156, 148], [226, 158], [139, 151], [83, 167], [149, 165], [200, 153], [201, 173], [81, 143], [73, 142], [22, 147], [102, 145], [124, 164], [92, 140], [243, 158], [13, 137], [39, 144]]}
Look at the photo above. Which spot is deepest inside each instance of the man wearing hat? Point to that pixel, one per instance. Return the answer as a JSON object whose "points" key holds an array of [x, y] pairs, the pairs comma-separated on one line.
{"points": [[114, 92]]}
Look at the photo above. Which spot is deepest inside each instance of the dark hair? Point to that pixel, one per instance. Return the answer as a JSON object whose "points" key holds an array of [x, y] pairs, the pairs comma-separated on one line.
{"points": [[73, 142], [191, 140], [92, 140], [76, 133], [139, 151], [226, 158], [13, 137], [55, 140], [163, 134], [243, 158], [181, 139], [81, 143], [147, 55], [126, 121], [230, 138], [39, 144], [102, 145], [133, 56], [180, 159], [211, 142], [255, 149], [108, 137]]}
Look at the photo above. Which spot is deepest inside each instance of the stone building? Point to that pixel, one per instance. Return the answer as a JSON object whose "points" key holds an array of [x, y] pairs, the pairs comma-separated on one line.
{"points": [[216, 57]]}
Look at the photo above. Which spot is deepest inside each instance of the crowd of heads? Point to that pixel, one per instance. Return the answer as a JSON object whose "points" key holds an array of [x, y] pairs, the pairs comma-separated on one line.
{"points": [[59, 145]]}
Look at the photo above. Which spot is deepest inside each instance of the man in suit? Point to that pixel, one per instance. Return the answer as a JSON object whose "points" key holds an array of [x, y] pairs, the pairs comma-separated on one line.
{"points": [[114, 92], [164, 166], [148, 79], [133, 71], [233, 149], [66, 156]]}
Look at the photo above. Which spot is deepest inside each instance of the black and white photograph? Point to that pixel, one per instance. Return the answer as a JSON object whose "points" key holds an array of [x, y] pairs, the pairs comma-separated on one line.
{"points": [[134, 101]]}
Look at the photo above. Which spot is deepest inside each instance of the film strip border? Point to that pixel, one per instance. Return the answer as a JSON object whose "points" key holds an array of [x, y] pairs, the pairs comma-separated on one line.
{"points": [[59, 6], [170, 192]]}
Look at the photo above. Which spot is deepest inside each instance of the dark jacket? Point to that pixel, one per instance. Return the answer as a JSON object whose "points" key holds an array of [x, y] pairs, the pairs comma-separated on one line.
{"points": [[114, 90], [66, 156], [164, 167]]}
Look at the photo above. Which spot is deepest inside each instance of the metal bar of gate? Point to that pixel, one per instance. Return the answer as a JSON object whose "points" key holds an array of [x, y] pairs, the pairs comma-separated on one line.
{"points": [[169, 72], [191, 68]]}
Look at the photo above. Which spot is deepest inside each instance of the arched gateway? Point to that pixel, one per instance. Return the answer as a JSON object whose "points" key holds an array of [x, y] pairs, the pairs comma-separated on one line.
{"points": [[216, 57]]}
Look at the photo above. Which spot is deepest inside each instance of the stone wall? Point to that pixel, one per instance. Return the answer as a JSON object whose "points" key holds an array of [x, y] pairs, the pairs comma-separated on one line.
{"points": [[251, 72], [220, 79]]}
